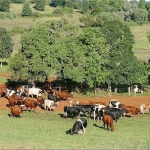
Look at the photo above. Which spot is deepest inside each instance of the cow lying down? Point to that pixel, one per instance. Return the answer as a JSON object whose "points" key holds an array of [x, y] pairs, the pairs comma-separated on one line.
{"points": [[79, 127]]}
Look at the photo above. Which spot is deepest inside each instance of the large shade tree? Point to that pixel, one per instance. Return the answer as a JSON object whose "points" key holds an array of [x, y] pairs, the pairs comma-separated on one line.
{"points": [[124, 67]]}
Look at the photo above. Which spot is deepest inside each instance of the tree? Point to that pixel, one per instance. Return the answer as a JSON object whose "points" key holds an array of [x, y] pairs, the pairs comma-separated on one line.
{"points": [[96, 55], [6, 44], [123, 64], [142, 4], [40, 5], [26, 10], [4, 5]]}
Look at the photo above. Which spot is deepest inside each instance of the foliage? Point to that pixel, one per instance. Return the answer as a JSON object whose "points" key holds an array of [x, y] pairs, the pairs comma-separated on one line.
{"points": [[140, 16], [5, 5], [17, 1], [16, 30], [96, 52], [26, 10], [123, 64], [58, 11], [40, 5], [6, 44], [57, 3]]}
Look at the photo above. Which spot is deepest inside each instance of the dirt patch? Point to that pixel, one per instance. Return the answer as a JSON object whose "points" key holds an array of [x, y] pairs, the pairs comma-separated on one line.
{"points": [[128, 101]]}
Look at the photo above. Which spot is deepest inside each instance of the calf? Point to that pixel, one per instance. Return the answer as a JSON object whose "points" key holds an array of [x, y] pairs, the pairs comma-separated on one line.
{"points": [[16, 111], [50, 104], [72, 111], [108, 120], [144, 107], [78, 127]]}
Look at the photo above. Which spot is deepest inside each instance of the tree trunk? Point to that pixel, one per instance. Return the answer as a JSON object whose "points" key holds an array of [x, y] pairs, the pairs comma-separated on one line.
{"points": [[109, 89]]}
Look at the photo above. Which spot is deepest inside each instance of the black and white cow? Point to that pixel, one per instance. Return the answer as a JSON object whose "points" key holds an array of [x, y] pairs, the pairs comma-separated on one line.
{"points": [[114, 104], [79, 127], [114, 112], [71, 111]]}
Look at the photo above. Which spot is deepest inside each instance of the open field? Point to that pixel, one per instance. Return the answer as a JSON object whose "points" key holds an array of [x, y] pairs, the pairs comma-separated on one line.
{"points": [[47, 130]]}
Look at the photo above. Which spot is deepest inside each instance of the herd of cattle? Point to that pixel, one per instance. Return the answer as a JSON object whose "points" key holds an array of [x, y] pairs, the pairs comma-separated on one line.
{"points": [[21, 99]]}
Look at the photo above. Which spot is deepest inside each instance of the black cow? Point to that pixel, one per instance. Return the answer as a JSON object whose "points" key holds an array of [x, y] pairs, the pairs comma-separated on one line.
{"points": [[78, 127], [52, 97], [116, 113], [72, 111], [86, 109]]}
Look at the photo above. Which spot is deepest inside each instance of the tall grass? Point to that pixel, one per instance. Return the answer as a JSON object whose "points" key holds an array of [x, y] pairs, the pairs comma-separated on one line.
{"points": [[47, 130]]}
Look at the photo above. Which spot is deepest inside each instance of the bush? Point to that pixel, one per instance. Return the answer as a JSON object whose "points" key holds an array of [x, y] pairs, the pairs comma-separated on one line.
{"points": [[16, 30], [58, 11], [26, 10], [17, 1], [3, 15], [68, 10], [35, 14]]}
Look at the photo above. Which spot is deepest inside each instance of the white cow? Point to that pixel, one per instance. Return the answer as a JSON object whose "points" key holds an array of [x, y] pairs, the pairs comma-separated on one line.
{"points": [[50, 104], [34, 91]]}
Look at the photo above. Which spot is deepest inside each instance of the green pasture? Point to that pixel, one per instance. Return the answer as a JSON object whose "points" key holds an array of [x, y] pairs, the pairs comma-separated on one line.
{"points": [[47, 130]]}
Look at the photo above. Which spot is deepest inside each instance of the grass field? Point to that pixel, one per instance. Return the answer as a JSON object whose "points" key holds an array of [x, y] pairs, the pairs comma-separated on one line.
{"points": [[47, 130]]}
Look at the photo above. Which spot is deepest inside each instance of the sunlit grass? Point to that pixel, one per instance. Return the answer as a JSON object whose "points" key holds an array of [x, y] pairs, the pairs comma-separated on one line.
{"points": [[47, 130]]}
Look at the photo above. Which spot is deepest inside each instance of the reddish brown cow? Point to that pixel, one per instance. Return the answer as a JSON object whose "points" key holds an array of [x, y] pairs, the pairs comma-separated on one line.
{"points": [[97, 102], [14, 100], [131, 110], [3, 90], [16, 111], [62, 95], [108, 120], [30, 104], [40, 101]]}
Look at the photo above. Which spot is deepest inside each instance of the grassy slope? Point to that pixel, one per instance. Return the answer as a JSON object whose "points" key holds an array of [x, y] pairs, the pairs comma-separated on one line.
{"points": [[46, 130]]}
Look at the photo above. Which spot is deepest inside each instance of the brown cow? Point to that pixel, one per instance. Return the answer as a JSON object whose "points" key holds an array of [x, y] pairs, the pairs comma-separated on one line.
{"points": [[40, 101], [62, 95], [16, 111], [108, 120], [14, 100], [3, 90], [30, 104], [131, 110]]}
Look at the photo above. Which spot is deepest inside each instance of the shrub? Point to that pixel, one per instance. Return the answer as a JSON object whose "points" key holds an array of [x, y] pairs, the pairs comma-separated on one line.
{"points": [[3, 15], [35, 14], [58, 11], [26, 10], [68, 10], [16, 30], [17, 1]]}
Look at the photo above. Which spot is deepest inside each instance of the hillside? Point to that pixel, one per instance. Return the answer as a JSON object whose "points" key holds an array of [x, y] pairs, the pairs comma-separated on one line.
{"points": [[141, 47]]}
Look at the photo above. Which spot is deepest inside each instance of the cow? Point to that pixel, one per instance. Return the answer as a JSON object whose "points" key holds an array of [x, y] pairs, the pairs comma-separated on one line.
{"points": [[86, 109], [114, 104], [97, 109], [14, 100], [78, 127], [64, 95], [3, 91], [137, 89], [144, 107], [131, 110], [34, 91], [52, 97], [72, 111], [30, 104], [108, 121], [114, 112], [40, 101], [16, 111], [10, 92], [50, 104]]}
